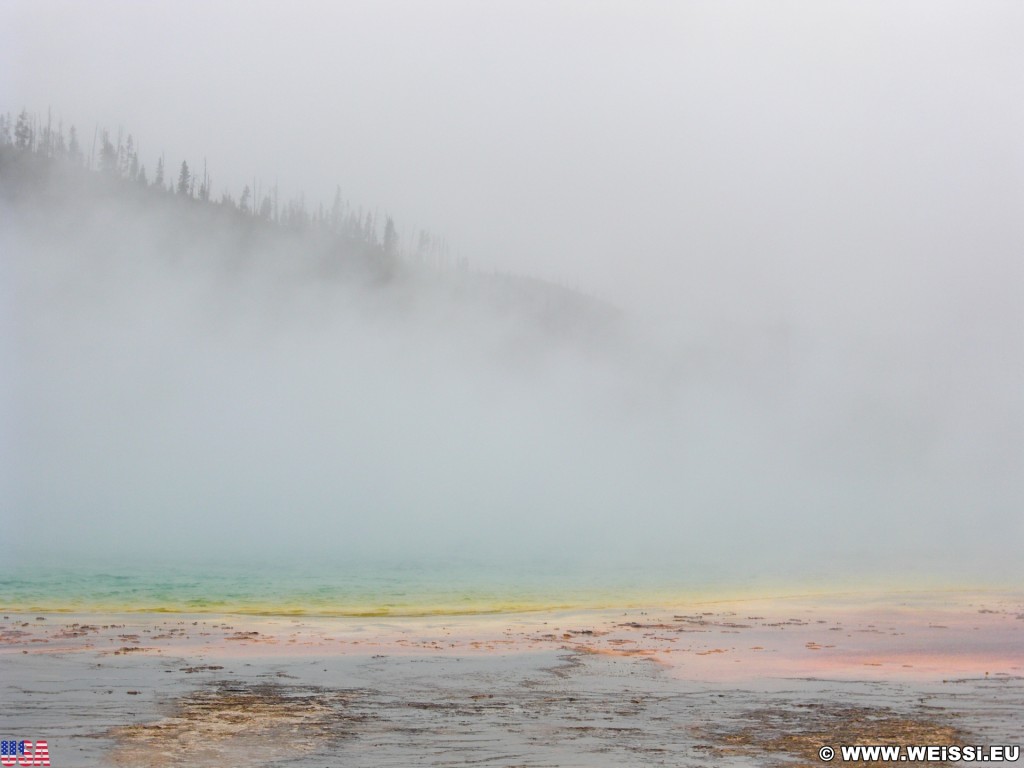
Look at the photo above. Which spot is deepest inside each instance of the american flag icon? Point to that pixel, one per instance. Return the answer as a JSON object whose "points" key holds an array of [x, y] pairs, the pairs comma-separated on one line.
{"points": [[24, 753]]}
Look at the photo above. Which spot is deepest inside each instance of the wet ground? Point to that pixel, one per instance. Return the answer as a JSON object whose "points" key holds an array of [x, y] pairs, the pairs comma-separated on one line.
{"points": [[144, 695]]}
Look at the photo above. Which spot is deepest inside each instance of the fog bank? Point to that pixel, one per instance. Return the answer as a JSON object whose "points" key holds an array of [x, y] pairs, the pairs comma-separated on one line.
{"points": [[180, 395]]}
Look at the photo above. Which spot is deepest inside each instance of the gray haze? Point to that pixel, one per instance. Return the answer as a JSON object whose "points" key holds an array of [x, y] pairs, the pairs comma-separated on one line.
{"points": [[810, 214]]}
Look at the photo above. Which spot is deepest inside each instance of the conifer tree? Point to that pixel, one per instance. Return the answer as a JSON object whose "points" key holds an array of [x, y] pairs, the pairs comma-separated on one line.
{"points": [[130, 159], [23, 131], [108, 155], [74, 148], [390, 239], [336, 211], [57, 145], [184, 180], [204, 188]]}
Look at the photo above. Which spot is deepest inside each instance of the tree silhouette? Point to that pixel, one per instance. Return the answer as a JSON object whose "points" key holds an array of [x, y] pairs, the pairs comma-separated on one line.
{"points": [[23, 131], [108, 155], [74, 148], [390, 239], [184, 180]]}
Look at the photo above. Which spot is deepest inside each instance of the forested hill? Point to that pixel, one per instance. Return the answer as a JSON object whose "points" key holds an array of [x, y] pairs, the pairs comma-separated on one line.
{"points": [[110, 204]]}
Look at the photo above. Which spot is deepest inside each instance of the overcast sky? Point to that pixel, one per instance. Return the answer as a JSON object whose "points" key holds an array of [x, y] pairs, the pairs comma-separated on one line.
{"points": [[760, 158]]}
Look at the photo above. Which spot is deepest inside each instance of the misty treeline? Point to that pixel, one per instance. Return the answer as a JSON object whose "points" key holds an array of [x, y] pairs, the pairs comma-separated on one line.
{"points": [[48, 163], [118, 158]]}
